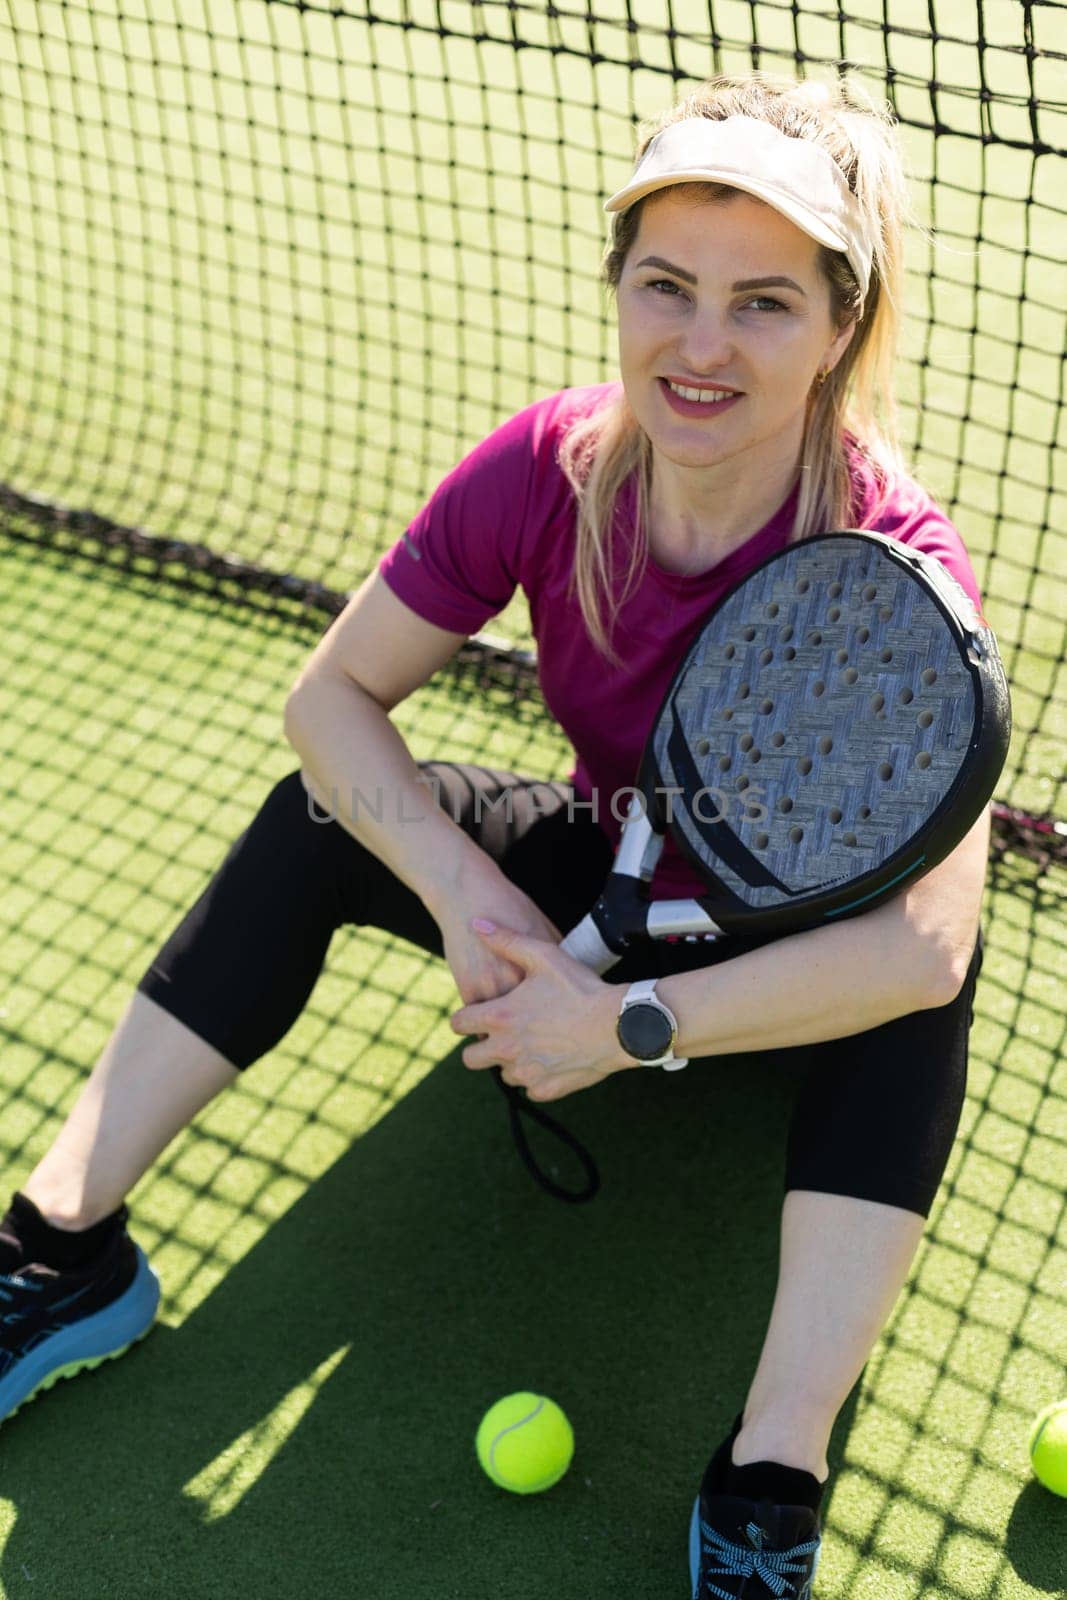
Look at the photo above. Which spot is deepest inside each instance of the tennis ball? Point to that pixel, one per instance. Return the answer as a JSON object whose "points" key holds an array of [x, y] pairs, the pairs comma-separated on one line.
{"points": [[1048, 1447], [525, 1443]]}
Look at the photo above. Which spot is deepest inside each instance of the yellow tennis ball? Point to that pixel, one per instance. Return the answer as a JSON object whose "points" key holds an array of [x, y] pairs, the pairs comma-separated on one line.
{"points": [[525, 1443], [1048, 1447]]}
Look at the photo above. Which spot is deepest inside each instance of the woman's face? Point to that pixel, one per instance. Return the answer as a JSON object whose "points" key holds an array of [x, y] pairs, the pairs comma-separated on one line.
{"points": [[723, 297]]}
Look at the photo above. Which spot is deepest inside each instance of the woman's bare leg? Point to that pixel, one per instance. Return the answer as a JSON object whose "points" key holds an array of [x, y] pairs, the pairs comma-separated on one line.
{"points": [[843, 1264], [154, 1075]]}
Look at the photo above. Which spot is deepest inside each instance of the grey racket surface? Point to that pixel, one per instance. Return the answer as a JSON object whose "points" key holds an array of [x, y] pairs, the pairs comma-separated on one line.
{"points": [[842, 717]]}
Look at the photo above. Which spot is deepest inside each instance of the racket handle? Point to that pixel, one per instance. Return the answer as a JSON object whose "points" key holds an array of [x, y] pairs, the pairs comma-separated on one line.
{"points": [[672, 918], [584, 943]]}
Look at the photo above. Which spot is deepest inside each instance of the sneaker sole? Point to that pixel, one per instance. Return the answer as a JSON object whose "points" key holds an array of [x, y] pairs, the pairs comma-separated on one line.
{"points": [[85, 1344], [807, 1593]]}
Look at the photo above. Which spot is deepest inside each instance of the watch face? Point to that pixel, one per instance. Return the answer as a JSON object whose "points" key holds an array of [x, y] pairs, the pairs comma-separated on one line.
{"points": [[645, 1032]]}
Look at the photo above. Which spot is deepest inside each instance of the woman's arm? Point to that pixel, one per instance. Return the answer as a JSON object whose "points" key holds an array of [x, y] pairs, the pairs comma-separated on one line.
{"points": [[358, 768], [907, 955], [355, 763], [555, 1032]]}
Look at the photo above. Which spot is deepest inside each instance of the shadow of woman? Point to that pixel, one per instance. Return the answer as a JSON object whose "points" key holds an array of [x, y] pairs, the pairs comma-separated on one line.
{"points": [[313, 1420]]}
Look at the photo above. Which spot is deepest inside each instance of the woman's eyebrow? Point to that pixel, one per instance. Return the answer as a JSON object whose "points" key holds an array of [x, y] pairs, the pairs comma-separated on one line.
{"points": [[767, 283], [742, 286], [665, 266]]}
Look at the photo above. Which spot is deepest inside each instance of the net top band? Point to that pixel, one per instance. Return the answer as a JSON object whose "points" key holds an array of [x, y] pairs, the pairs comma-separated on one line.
{"points": [[795, 176]]}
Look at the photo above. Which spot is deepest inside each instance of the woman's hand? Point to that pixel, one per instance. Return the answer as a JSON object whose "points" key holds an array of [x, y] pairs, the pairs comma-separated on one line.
{"points": [[554, 1031], [482, 973]]}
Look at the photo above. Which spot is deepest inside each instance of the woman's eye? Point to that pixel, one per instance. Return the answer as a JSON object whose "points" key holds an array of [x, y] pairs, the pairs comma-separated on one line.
{"points": [[667, 284], [766, 302]]}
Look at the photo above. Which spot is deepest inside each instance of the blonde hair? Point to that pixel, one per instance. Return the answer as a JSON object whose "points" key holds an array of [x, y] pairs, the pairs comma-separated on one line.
{"points": [[601, 453]]}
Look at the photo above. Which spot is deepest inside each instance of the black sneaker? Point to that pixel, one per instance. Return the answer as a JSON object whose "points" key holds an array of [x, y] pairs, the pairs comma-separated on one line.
{"points": [[54, 1324], [751, 1548]]}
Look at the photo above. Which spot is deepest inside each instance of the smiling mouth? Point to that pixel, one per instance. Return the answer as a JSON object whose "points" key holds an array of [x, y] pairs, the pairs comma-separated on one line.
{"points": [[704, 396]]}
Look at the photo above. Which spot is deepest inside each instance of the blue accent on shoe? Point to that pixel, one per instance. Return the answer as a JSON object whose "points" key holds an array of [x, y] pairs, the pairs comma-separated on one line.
{"points": [[84, 1342], [785, 1574]]}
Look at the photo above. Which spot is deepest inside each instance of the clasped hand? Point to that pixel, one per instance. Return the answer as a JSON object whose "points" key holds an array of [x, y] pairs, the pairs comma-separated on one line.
{"points": [[554, 1032]]}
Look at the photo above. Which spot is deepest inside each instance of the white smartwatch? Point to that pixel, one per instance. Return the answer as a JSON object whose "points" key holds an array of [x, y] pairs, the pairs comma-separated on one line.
{"points": [[647, 1028]]}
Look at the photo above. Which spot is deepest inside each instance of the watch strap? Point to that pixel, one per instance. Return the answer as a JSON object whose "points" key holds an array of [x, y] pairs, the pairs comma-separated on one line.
{"points": [[643, 992]]}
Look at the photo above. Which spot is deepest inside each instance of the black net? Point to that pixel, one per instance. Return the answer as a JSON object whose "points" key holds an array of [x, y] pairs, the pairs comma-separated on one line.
{"points": [[268, 270]]}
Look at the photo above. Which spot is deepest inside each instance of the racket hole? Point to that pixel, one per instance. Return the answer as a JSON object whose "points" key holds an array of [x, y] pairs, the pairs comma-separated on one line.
{"points": [[907, 696], [762, 840], [834, 590], [702, 747], [755, 756], [748, 634], [870, 592], [925, 718], [815, 637], [773, 609], [826, 744], [742, 784], [834, 614], [835, 814], [785, 634], [744, 692], [796, 834], [804, 766], [842, 657], [789, 654], [729, 652], [886, 613], [886, 655], [766, 706], [818, 688], [747, 741], [803, 586], [765, 657], [923, 760], [863, 813], [785, 805], [878, 702], [928, 675], [727, 714], [885, 771], [862, 635], [850, 674], [849, 838], [778, 740], [724, 763], [754, 813]]}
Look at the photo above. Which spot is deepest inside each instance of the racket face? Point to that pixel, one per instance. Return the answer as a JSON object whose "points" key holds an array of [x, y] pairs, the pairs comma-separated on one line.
{"points": [[835, 729]]}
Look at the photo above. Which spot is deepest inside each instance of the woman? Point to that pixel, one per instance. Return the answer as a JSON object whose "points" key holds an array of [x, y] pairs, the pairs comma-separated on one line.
{"points": [[756, 265]]}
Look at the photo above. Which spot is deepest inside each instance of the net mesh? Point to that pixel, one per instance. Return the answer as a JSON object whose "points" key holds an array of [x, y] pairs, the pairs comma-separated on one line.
{"points": [[270, 269], [267, 270]]}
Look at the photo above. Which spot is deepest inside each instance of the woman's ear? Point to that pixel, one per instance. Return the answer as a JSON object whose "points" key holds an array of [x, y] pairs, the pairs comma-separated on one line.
{"points": [[837, 346]]}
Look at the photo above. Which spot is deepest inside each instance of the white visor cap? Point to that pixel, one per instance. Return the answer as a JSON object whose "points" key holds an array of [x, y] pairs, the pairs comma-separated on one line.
{"points": [[795, 176]]}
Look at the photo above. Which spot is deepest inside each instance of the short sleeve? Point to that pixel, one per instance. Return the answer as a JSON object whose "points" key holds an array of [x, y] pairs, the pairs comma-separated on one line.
{"points": [[908, 513], [458, 563]]}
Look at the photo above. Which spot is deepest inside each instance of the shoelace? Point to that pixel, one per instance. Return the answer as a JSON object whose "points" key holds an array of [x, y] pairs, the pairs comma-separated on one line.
{"points": [[753, 1561], [16, 1281]]}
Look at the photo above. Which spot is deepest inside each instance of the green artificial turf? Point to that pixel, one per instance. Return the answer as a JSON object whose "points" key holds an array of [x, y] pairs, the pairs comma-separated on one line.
{"points": [[354, 1261], [268, 271]]}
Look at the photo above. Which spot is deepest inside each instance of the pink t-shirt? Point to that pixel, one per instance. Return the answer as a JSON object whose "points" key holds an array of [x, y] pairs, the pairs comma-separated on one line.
{"points": [[505, 516]]}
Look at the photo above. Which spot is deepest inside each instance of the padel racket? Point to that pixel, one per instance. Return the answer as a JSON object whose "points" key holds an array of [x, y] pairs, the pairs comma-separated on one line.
{"points": [[834, 730]]}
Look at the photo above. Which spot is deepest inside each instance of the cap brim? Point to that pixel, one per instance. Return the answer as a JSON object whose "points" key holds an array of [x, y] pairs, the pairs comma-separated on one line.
{"points": [[788, 205]]}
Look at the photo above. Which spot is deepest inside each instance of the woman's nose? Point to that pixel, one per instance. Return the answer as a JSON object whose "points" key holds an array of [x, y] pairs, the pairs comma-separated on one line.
{"points": [[706, 341]]}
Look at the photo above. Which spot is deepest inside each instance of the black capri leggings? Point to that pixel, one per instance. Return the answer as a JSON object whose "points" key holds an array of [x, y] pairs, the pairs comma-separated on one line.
{"points": [[875, 1114]]}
